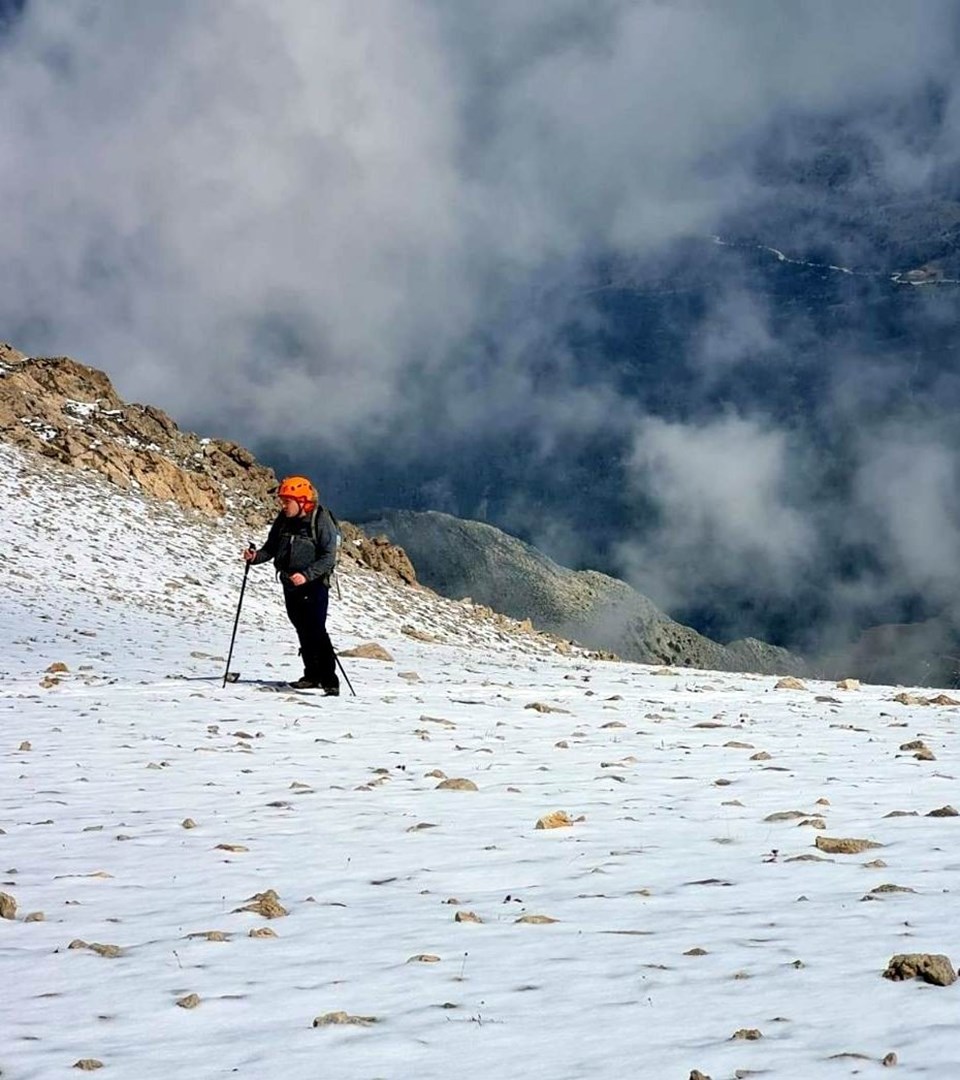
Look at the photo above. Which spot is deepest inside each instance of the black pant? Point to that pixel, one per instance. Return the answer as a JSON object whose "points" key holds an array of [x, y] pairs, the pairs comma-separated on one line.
{"points": [[307, 610]]}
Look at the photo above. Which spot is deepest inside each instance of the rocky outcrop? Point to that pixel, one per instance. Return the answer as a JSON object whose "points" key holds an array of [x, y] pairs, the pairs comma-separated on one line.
{"points": [[468, 558], [72, 414]]}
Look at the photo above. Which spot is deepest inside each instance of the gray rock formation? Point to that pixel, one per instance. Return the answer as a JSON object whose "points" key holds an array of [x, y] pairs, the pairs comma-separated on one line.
{"points": [[460, 558]]}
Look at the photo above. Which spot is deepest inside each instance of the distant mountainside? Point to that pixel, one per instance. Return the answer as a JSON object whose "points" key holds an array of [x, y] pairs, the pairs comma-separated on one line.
{"points": [[468, 558]]}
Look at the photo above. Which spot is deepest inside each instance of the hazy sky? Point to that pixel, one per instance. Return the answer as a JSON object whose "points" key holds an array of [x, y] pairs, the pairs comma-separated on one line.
{"points": [[337, 226]]}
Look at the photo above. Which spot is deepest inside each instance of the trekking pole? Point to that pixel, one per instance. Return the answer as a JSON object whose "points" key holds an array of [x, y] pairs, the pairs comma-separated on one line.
{"points": [[344, 674], [236, 621]]}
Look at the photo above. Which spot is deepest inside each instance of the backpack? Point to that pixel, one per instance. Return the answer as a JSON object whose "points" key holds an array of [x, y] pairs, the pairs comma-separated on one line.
{"points": [[315, 534]]}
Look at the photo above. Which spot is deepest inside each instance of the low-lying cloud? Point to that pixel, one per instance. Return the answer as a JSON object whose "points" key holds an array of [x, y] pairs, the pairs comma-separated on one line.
{"points": [[349, 231]]}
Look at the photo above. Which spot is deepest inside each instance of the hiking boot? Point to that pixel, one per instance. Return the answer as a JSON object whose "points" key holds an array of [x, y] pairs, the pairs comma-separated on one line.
{"points": [[304, 684], [331, 691]]}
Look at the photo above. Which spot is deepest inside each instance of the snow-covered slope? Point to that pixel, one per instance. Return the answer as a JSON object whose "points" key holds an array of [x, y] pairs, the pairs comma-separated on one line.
{"points": [[685, 913]]}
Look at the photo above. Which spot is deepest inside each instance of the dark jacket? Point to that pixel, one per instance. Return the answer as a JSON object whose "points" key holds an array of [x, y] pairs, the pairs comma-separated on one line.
{"points": [[291, 545]]}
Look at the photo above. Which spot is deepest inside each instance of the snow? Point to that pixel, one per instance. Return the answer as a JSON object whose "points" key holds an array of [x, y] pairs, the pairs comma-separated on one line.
{"points": [[673, 852]]}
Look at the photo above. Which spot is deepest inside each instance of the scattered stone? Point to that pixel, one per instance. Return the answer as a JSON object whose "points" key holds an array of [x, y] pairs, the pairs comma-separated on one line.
{"points": [[926, 754], [35, 916], [420, 826], [933, 968], [188, 823], [210, 935], [536, 920], [190, 1001], [369, 650], [943, 699], [25, 746], [262, 932], [424, 958], [266, 904], [558, 819], [887, 888], [785, 815], [456, 783], [8, 906], [231, 847], [914, 744], [57, 667], [848, 684], [944, 811], [876, 864], [696, 951], [333, 1018], [750, 1034], [543, 707], [889, 1059], [467, 916], [419, 635], [789, 683], [910, 699], [88, 1064], [111, 952], [762, 755], [696, 1074], [844, 845], [813, 823]]}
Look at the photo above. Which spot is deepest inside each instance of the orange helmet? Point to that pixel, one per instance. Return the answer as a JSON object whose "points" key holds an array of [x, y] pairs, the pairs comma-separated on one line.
{"points": [[300, 489]]}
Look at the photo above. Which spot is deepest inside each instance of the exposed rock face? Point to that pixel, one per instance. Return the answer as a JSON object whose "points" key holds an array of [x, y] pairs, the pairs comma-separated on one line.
{"points": [[71, 413], [467, 558]]}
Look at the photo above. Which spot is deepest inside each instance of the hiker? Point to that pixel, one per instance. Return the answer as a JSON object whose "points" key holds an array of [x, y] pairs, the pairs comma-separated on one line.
{"points": [[303, 543]]}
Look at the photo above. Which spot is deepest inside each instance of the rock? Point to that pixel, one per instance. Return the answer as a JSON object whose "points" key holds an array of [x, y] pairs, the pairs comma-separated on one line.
{"points": [[35, 916], [931, 967], [188, 823], [190, 1001], [785, 815], [369, 650], [88, 1064], [926, 754], [266, 904], [696, 1074], [543, 707], [419, 635], [762, 755], [789, 683], [914, 744], [910, 699], [889, 1059], [111, 952], [456, 783], [467, 916], [231, 847], [25, 746], [844, 846], [750, 1034], [424, 958], [943, 699], [558, 819], [57, 667], [536, 920], [848, 684], [8, 906], [944, 811], [262, 932], [333, 1018]]}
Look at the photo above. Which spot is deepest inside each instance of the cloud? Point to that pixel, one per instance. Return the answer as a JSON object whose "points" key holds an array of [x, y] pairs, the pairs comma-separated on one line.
{"points": [[725, 511], [372, 234]]}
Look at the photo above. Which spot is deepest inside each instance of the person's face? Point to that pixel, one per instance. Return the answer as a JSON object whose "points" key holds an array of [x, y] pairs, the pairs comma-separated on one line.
{"points": [[290, 507]]}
